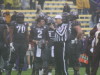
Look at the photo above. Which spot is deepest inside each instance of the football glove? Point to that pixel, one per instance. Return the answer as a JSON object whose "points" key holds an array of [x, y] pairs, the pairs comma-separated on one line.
{"points": [[12, 49]]}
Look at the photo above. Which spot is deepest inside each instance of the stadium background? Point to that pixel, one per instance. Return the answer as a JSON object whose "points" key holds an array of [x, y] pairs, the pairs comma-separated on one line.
{"points": [[52, 8]]}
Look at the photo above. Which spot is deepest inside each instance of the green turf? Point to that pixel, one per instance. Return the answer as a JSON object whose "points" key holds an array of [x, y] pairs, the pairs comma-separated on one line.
{"points": [[28, 72]]}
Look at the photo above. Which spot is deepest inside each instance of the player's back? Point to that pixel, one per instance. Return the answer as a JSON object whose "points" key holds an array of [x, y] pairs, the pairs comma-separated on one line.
{"points": [[20, 32]]}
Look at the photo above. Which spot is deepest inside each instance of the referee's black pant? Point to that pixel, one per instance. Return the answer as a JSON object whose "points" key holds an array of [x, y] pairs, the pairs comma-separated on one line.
{"points": [[60, 59]]}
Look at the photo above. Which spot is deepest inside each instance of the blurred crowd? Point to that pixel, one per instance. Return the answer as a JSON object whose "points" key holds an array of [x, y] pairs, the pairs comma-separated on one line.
{"points": [[17, 4], [7, 16], [86, 7]]}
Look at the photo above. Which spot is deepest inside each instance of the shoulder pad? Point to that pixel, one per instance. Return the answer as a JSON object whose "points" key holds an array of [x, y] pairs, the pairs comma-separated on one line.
{"points": [[13, 23], [25, 23]]}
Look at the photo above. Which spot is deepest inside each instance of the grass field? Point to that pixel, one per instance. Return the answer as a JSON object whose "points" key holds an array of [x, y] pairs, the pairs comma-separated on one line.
{"points": [[28, 72]]}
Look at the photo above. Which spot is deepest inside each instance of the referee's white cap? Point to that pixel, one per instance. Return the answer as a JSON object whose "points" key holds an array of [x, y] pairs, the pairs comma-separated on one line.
{"points": [[58, 17]]}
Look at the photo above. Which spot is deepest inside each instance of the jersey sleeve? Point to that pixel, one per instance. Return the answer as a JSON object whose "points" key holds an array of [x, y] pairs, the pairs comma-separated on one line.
{"points": [[47, 34]]}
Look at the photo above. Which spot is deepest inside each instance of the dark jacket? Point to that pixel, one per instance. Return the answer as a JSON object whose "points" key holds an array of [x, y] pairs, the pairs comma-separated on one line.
{"points": [[66, 9]]}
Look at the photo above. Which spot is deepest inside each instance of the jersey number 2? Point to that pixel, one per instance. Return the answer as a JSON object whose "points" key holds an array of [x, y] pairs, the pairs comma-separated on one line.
{"points": [[39, 33]]}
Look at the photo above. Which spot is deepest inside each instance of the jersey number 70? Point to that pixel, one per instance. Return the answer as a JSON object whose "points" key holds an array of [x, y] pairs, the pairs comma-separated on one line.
{"points": [[21, 29]]}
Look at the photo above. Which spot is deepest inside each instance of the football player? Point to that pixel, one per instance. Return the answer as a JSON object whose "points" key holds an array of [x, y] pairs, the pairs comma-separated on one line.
{"points": [[50, 52], [74, 44], [3, 41], [18, 42], [39, 35]]}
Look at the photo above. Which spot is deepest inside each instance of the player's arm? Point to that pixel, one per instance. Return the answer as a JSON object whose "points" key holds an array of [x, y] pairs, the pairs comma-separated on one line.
{"points": [[47, 35], [78, 29], [27, 33], [31, 37], [27, 37], [11, 29], [92, 32], [5, 34]]}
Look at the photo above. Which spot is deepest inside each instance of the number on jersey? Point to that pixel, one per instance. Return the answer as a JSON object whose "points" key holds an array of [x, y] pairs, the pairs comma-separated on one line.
{"points": [[39, 34], [21, 29]]}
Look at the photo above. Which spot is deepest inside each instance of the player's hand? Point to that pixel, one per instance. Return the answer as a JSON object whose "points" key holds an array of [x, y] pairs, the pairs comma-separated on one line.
{"points": [[52, 27], [12, 49], [29, 47], [79, 36], [36, 41], [91, 50]]}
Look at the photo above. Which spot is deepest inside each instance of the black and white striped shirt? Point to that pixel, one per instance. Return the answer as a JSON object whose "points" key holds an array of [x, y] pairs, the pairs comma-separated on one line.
{"points": [[61, 33]]}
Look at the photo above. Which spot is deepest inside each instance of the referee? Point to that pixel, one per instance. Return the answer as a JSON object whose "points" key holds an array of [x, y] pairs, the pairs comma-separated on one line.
{"points": [[59, 45]]}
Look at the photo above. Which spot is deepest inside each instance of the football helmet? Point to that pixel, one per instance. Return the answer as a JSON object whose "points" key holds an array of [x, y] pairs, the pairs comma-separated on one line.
{"points": [[20, 17], [73, 16], [65, 17]]}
